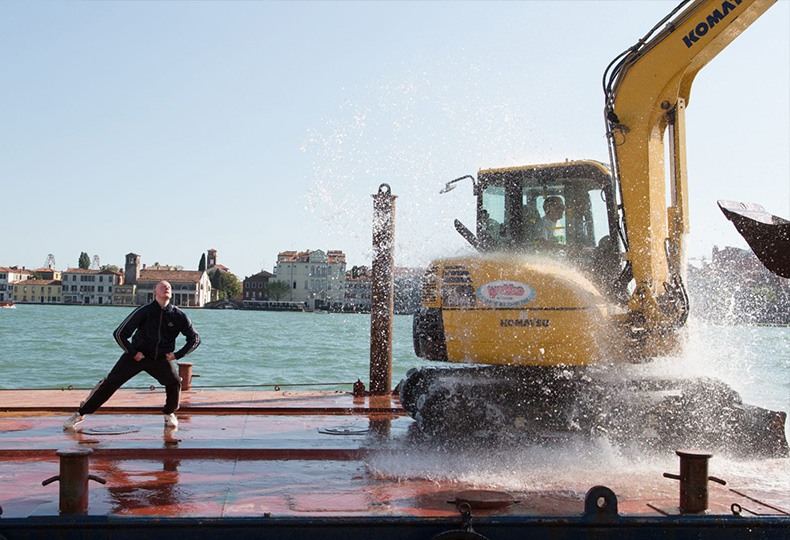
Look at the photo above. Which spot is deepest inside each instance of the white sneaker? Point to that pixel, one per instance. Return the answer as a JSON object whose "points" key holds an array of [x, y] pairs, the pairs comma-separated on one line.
{"points": [[171, 421], [73, 421]]}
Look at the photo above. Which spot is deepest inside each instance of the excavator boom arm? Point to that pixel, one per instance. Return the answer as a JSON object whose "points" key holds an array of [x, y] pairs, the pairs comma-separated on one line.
{"points": [[646, 99]]}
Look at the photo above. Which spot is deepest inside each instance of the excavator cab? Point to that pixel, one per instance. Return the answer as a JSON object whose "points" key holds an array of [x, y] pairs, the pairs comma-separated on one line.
{"points": [[548, 265], [564, 211], [543, 208]]}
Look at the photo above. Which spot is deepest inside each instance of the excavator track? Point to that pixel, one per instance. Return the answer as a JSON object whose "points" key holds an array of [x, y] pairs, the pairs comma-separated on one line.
{"points": [[536, 404]]}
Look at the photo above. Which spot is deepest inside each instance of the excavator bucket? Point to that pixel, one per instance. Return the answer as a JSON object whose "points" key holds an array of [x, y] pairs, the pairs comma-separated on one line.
{"points": [[766, 234]]}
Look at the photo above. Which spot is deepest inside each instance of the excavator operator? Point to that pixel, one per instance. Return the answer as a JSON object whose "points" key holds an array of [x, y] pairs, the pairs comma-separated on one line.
{"points": [[549, 227]]}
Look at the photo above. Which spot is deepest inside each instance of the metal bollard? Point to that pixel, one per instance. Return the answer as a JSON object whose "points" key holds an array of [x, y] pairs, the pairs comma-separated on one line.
{"points": [[73, 480], [185, 373], [359, 389], [694, 481]]}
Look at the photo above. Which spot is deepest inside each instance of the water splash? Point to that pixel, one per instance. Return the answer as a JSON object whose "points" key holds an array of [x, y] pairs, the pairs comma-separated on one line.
{"points": [[414, 129], [574, 465], [747, 358]]}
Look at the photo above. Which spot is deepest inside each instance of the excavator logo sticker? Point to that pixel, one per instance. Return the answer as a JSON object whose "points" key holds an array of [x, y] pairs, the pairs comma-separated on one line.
{"points": [[710, 21], [504, 293]]}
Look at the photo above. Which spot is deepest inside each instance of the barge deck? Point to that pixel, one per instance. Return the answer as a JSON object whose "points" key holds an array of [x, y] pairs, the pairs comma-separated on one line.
{"points": [[251, 460]]}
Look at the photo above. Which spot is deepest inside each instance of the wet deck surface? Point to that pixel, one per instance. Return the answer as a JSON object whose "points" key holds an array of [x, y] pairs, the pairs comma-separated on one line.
{"points": [[253, 453]]}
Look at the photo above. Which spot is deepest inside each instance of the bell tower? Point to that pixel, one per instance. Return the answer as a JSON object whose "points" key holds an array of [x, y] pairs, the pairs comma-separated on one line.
{"points": [[132, 269]]}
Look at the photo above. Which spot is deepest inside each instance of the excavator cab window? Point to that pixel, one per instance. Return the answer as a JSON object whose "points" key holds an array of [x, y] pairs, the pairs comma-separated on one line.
{"points": [[552, 210]]}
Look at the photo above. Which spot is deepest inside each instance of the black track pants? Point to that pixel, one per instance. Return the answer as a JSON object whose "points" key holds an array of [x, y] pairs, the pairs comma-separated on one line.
{"points": [[166, 373]]}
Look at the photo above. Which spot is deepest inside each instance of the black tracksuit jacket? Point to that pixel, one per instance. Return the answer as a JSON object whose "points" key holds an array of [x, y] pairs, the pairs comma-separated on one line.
{"points": [[153, 331]]}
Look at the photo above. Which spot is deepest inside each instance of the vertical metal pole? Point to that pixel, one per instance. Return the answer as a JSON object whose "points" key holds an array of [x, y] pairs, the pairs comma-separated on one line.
{"points": [[382, 292]]}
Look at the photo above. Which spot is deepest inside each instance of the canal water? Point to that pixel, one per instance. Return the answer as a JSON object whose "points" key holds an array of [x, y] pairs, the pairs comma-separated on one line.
{"points": [[59, 346]]}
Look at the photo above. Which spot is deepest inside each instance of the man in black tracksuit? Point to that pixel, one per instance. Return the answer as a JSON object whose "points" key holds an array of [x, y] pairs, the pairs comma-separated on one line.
{"points": [[153, 329]]}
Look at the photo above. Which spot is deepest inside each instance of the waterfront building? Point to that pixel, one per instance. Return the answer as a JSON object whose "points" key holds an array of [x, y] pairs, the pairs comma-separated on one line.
{"points": [[124, 295], [37, 291], [406, 289], [734, 287], [191, 288], [8, 276], [315, 277], [85, 286], [357, 290], [407, 285], [253, 288]]}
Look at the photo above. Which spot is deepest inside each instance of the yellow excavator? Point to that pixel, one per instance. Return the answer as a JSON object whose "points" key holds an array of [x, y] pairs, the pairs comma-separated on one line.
{"points": [[579, 278]]}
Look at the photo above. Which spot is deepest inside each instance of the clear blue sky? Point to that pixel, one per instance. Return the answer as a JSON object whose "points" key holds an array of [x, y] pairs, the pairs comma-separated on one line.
{"points": [[169, 128]]}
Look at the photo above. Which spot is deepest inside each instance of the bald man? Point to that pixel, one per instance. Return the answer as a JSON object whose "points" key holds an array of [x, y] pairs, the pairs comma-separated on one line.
{"points": [[153, 329]]}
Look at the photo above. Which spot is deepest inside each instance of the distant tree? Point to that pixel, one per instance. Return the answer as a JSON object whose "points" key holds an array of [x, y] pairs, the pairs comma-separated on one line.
{"points": [[202, 263], [215, 278], [84, 262], [229, 284], [110, 268], [276, 290], [36, 275]]}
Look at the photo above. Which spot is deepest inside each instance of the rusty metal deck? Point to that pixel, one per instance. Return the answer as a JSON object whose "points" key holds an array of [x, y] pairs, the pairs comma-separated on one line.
{"points": [[253, 453]]}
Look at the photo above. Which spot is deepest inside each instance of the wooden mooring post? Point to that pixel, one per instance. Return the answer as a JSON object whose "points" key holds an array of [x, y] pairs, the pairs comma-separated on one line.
{"points": [[382, 292]]}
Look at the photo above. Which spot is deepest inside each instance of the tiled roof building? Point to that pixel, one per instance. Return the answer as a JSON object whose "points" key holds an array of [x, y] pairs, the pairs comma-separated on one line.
{"points": [[85, 286], [191, 288], [37, 291], [8, 276]]}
